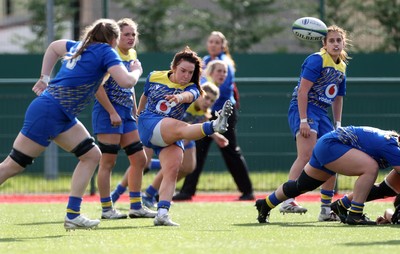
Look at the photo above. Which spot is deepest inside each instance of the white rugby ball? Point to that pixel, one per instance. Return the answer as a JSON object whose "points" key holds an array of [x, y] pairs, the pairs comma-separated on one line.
{"points": [[309, 29]]}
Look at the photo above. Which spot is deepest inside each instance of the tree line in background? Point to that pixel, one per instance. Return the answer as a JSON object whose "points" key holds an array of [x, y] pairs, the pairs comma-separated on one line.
{"points": [[374, 25]]}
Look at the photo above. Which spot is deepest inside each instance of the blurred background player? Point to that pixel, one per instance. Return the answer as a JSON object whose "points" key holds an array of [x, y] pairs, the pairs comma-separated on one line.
{"points": [[115, 127], [217, 47], [322, 84]]}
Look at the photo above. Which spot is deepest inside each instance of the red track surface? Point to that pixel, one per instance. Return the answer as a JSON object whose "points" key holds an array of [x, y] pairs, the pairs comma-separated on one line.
{"points": [[201, 197]]}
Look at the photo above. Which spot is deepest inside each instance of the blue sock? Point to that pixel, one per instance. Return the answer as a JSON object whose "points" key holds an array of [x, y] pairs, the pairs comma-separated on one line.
{"points": [[74, 207], [164, 204], [106, 204], [115, 194], [356, 208], [326, 197], [272, 201], [155, 164], [345, 201], [207, 128], [151, 191], [135, 200]]}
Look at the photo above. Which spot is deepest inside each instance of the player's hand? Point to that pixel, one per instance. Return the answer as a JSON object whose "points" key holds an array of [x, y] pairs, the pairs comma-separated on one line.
{"points": [[305, 130], [136, 65], [39, 87], [115, 120]]}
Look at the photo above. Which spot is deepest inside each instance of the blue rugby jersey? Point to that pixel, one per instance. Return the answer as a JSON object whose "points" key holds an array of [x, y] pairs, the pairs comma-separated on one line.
{"points": [[377, 143], [157, 86], [328, 77], [78, 79], [117, 94], [225, 89]]}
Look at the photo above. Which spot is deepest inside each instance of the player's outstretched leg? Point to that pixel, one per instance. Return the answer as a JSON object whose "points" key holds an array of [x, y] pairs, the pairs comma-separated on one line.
{"points": [[221, 123]]}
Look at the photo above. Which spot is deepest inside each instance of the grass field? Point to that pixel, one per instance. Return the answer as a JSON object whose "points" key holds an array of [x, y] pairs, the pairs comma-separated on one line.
{"points": [[229, 227]]}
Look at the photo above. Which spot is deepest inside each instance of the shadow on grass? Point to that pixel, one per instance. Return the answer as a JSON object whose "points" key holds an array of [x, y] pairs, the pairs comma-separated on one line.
{"points": [[22, 239], [301, 224], [40, 223], [389, 242]]}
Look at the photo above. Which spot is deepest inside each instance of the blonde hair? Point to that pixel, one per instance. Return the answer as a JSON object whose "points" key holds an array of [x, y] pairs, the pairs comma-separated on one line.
{"points": [[210, 87], [343, 55], [212, 65], [101, 31], [225, 47], [129, 22]]}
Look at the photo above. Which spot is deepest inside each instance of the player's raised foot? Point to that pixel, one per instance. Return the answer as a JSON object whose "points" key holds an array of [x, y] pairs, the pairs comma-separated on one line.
{"points": [[80, 222], [340, 210], [361, 219], [221, 123], [263, 211], [326, 215], [164, 220], [292, 207], [143, 212], [149, 202], [113, 214]]}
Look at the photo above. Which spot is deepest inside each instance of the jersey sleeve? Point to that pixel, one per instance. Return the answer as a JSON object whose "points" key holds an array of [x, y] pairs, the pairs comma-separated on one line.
{"points": [[111, 57], [194, 90], [312, 66], [147, 85], [342, 87]]}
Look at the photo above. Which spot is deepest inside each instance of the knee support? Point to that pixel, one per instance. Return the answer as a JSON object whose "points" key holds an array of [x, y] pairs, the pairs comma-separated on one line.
{"points": [[380, 190], [83, 147], [303, 184], [133, 148], [109, 148], [22, 159]]}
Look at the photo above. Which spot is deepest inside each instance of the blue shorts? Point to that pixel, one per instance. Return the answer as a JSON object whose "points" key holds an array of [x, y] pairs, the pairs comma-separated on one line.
{"points": [[190, 144], [327, 149], [45, 120], [102, 124], [146, 124], [318, 120]]}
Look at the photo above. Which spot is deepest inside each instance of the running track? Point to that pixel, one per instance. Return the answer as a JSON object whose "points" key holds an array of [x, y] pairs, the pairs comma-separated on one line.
{"points": [[201, 197]]}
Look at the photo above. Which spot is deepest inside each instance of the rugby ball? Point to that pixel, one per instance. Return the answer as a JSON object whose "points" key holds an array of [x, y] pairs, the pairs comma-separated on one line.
{"points": [[309, 29]]}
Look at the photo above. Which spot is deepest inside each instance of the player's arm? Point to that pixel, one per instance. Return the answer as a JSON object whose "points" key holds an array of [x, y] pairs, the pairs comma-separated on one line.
{"points": [[337, 108], [142, 103], [124, 78], [302, 101], [54, 51], [103, 99]]}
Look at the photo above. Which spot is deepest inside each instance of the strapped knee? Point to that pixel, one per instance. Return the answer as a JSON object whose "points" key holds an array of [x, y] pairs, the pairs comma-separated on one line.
{"points": [[133, 148], [303, 184], [84, 147], [22, 159], [109, 148]]}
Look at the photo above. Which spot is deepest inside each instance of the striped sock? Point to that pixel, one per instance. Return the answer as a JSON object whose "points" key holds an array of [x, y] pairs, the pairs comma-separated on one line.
{"points": [[356, 208], [326, 197], [135, 200], [345, 202], [272, 201], [106, 204], [207, 128], [74, 207]]}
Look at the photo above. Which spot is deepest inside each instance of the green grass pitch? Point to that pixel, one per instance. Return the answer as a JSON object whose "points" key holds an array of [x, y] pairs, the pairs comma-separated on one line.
{"points": [[229, 227]]}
